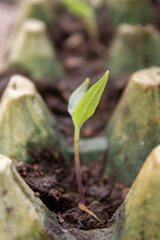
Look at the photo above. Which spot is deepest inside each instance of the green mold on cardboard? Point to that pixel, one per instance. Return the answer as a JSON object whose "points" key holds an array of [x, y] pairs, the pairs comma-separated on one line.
{"points": [[135, 47], [33, 52], [22, 215], [19, 218], [130, 11], [24, 119], [142, 212], [134, 129], [37, 9]]}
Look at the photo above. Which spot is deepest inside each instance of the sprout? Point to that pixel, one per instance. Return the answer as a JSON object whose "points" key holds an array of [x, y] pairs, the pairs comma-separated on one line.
{"points": [[82, 105], [85, 11]]}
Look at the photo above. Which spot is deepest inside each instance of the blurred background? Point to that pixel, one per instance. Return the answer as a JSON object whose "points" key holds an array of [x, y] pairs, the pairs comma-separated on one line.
{"points": [[59, 43]]}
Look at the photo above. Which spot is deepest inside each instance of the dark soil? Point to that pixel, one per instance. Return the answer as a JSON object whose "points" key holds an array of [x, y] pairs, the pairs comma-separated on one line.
{"points": [[81, 58], [56, 96], [54, 183], [48, 176]]}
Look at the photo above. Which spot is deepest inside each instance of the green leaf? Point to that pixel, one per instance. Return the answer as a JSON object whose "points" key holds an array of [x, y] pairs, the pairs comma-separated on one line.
{"points": [[78, 7], [84, 10], [87, 105], [77, 95]]}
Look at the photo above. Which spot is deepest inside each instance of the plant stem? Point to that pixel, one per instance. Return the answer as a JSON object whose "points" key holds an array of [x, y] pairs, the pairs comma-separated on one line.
{"points": [[92, 26], [77, 167]]}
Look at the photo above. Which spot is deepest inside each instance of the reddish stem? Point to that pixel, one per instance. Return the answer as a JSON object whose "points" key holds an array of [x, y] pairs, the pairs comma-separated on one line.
{"points": [[78, 173]]}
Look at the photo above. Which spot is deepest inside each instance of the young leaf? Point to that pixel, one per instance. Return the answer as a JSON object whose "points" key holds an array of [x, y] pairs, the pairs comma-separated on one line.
{"points": [[84, 10], [87, 105], [78, 7], [77, 95]]}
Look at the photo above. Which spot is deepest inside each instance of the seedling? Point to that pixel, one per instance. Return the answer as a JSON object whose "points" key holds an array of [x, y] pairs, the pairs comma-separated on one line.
{"points": [[82, 105], [86, 12]]}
